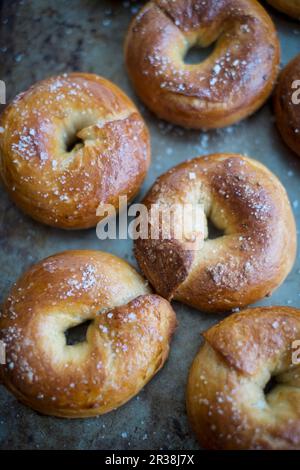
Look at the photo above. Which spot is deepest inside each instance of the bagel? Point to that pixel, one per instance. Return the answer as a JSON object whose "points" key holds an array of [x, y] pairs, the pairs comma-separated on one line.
{"points": [[253, 255], [287, 111], [232, 83], [231, 402], [289, 7], [126, 343], [69, 145]]}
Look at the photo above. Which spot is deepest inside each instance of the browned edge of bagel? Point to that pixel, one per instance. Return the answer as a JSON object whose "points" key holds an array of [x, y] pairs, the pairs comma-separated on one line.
{"points": [[289, 7], [287, 112]]}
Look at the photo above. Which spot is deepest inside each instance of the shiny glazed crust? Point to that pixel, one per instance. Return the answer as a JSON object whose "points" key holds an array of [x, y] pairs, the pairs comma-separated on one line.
{"points": [[289, 7], [233, 82], [244, 200], [227, 404], [69, 145], [286, 110], [126, 343]]}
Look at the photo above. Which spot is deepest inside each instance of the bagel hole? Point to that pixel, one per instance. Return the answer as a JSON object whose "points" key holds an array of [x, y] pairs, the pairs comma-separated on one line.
{"points": [[270, 385], [196, 54], [77, 334], [73, 142], [213, 231]]}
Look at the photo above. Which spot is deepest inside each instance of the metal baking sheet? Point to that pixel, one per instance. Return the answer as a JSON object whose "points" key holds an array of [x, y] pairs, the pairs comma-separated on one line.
{"points": [[39, 38]]}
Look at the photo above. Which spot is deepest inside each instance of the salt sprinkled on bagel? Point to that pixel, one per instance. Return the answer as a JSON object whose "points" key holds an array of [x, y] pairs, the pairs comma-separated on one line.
{"points": [[243, 387], [254, 251], [69, 145], [126, 343], [229, 85]]}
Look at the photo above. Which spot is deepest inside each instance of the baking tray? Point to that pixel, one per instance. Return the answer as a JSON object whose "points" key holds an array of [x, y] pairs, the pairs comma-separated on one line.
{"points": [[39, 38]]}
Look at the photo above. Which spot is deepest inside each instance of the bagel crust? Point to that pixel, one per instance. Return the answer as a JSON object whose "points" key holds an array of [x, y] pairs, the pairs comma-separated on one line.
{"points": [[252, 257], [288, 112], [126, 343], [289, 7], [232, 83], [228, 404], [69, 145]]}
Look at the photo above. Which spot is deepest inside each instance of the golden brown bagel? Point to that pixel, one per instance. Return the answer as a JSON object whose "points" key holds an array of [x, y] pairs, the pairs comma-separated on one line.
{"points": [[70, 144], [126, 343], [244, 199], [233, 82], [287, 104], [228, 404], [289, 7]]}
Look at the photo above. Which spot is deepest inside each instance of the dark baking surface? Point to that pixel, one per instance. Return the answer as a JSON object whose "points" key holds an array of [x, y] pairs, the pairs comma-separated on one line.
{"points": [[39, 38]]}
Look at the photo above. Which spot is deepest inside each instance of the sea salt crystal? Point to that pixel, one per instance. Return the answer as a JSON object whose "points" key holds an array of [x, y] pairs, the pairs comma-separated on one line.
{"points": [[245, 28], [217, 69], [30, 376], [103, 328]]}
